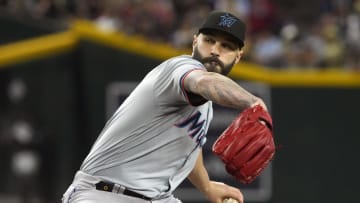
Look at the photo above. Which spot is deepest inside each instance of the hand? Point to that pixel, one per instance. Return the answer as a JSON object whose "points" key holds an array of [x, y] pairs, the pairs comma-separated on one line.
{"points": [[260, 102], [217, 192]]}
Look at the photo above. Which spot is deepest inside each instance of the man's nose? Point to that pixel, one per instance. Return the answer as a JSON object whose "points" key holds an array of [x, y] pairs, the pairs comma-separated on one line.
{"points": [[215, 49]]}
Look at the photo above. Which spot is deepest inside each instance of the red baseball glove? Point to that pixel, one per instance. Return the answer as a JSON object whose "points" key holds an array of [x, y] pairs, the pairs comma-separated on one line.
{"points": [[247, 146]]}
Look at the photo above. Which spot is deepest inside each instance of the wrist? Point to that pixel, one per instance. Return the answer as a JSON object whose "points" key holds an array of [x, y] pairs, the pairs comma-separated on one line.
{"points": [[205, 189], [254, 100]]}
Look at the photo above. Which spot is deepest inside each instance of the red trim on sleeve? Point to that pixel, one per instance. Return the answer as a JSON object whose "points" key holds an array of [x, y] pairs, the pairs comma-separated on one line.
{"points": [[182, 84]]}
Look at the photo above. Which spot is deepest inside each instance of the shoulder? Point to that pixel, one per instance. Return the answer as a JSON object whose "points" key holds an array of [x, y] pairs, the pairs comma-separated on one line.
{"points": [[185, 60]]}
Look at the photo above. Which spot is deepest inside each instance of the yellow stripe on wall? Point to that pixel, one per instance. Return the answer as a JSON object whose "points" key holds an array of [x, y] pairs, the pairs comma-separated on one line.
{"points": [[296, 78], [25, 50], [133, 44]]}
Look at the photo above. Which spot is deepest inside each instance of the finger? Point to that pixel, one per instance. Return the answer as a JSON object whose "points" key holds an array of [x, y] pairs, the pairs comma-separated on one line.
{"points": [[230, 200], [236, 195]]}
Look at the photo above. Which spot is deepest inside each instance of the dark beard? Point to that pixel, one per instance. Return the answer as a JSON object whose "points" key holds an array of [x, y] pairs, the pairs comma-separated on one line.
{"points": [[208, 63]]}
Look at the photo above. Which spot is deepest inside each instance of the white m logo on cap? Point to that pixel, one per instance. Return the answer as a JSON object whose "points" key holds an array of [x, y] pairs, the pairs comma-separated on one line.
{"points": [[226, 21]]}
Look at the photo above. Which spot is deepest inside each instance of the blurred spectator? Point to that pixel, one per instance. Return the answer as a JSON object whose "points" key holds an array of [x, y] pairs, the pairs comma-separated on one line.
{"points": [[352, 38], [40, 8], [108, 19], [15, 7], [303, 50], [267, 49], [240, 8], [334, 49], [183, 35], [87, 9], [262, 16], [154, 19]]}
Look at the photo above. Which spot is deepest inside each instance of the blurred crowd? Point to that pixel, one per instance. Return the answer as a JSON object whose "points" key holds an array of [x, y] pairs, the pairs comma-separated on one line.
{"points": [[275, 38]]}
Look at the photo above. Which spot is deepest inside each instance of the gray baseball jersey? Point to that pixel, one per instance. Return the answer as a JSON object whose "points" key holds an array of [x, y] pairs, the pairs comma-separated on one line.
{"points": [[152, 141]]}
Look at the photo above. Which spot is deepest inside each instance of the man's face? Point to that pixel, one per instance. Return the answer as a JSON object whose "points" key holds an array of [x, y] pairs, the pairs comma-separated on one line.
{"points": [[217, 51]]}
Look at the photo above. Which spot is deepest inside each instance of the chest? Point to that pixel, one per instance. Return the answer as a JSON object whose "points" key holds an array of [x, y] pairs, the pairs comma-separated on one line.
{"points": [[196, 123]]}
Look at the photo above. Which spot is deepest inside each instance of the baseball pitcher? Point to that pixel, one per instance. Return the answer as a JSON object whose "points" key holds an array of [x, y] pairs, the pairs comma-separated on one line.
{"points": [[153, 141]]}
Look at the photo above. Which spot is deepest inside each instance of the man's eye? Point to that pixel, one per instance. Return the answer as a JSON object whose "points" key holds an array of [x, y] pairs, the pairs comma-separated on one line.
{"points": [[228, 46], [208, 40]]}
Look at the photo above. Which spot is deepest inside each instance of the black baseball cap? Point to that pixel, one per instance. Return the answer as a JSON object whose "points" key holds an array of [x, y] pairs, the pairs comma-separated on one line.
{"points": [[225, 22]]}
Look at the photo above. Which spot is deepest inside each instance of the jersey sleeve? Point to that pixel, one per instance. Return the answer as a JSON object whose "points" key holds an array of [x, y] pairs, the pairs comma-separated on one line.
{"points": [[191, 98], [170, 87]]}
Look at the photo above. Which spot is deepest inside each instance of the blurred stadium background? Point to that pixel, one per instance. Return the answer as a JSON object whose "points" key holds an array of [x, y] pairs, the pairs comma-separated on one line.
{"points": [[66, 64]]}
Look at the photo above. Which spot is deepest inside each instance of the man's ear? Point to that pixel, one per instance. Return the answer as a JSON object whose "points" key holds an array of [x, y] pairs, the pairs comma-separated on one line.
{"points": [[194, 41], [239, 54]]}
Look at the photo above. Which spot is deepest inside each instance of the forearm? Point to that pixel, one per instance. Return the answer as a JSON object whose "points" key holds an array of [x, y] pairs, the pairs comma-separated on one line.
{"points": [[199, 176], [213, 191], [226, 92], [221, 90]]}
